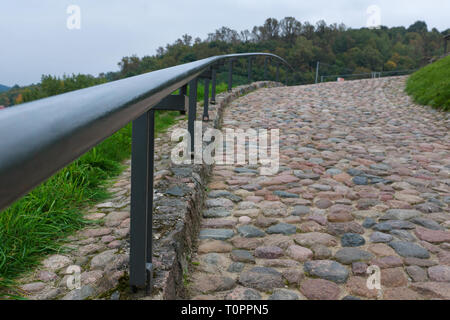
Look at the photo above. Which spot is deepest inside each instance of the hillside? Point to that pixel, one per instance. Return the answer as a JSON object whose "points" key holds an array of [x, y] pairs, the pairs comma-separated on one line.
{"points": [[340, 50], [4, 88], [431, 85]]}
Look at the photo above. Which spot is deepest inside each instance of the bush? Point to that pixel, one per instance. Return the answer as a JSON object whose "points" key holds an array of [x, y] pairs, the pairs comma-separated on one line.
{"points": [[431, 85]]}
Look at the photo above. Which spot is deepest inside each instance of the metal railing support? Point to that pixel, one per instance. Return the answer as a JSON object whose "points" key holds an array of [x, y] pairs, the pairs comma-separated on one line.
{"points": [[150, 170], [249, 69], [213, 85], [277, 77], [230, 75], [183, 92], [265, 68], [141, 207], [205, 101], [192, 110]]}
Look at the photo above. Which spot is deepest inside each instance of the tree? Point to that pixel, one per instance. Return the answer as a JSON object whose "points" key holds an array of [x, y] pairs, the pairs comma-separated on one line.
{"points": [[340, 50], [290, 29], [270, 29], [187, 40], [418, 26]]}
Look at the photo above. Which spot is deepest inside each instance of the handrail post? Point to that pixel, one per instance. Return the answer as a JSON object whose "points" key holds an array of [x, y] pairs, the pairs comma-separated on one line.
{"points": [[183, 92], [265, 68], [206, 100], [249, 69], [230, 75], [192, 111], [213, 86], [141, 201], [287, 78], [278, 73], [151, 158]]}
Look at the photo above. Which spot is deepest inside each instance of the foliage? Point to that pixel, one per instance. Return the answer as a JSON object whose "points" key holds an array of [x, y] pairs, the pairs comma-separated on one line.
{"points": [[431, 85], [340, 50], [4, 88]]}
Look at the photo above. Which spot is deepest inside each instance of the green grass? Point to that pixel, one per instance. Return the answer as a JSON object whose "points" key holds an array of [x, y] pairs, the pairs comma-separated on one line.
{"points": [[220, 87], [431, 85], [37, 224]]}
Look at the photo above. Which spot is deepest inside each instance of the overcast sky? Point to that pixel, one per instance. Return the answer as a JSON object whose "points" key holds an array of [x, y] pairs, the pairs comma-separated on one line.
{"points": [[36, 40]]}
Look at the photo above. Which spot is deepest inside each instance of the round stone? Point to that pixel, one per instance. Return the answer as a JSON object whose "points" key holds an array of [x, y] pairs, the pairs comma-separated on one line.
{"points": [[393, 277], [380, 237], [293, 276], [333, 171], [214, 246], [416, 273], [320, 289], [244, 220], [323, 203], [368, 223], [321, 252], [33, 287], [243, 294], [439, 273], [269, 252], [216, 213], [101, 260], [299, 253], [56, 262], [360, 180], [283, 228], [300, 210], [409, 249], [249, 231], [403, 235], [208, 283], [217, 234], [283, 294], [358, 287], [261, 278], [242, 256], [312, 238], [284, 194], [401, 294], [349, 255], [327, 269], [433, 236], [352, 240]]}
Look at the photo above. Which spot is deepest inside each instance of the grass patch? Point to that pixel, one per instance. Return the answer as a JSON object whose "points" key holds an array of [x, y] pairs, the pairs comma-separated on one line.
{"points": [[37, 224], [431, 85], [220, 87]]}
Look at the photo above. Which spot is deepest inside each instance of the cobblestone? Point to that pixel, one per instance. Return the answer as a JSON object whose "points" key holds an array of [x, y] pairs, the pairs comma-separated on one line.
{"points": [[353, 190]]}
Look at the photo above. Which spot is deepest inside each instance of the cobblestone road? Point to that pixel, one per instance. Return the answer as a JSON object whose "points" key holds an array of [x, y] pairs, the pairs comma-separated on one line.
{"points": [[363, 180]]}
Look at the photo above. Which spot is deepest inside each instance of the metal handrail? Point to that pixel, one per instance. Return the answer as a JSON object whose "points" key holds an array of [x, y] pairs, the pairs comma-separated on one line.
{"points": [[41, 137], [377, 73]]}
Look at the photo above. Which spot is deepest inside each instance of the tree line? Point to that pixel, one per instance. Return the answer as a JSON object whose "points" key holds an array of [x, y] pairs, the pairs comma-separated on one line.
{"points": [[340, 50]]}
